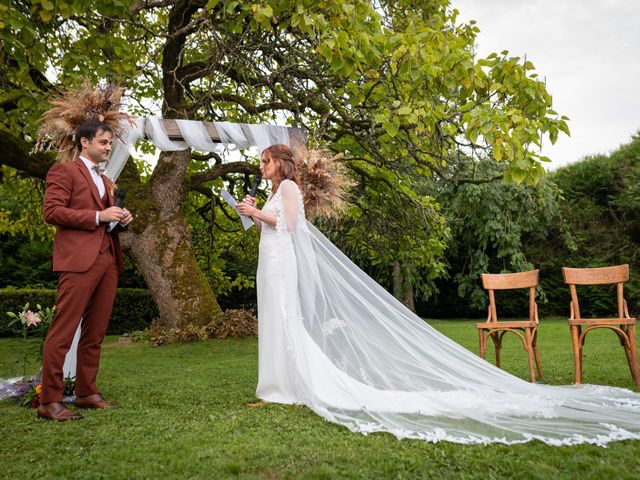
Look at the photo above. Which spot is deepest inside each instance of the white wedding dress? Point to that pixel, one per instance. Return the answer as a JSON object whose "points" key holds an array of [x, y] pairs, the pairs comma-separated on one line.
{"points": [[332, 339]]}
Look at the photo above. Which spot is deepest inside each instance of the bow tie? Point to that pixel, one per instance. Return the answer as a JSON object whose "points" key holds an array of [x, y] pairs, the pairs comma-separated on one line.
{"points": [[97, 169]]}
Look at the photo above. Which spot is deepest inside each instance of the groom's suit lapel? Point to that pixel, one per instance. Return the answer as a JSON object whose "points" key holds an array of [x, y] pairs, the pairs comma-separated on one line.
{"points": [[87, 176], [109, 186]]}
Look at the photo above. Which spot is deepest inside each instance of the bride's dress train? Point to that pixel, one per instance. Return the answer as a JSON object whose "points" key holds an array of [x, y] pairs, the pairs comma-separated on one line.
{"points": [[332, 339]]}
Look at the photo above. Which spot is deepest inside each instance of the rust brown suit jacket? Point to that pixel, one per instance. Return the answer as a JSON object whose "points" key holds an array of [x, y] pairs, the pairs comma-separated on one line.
{"points": [[70, 203]]}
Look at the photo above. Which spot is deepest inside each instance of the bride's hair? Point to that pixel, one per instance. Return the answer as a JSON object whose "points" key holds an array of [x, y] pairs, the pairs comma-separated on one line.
{"points": [[287, 169]]}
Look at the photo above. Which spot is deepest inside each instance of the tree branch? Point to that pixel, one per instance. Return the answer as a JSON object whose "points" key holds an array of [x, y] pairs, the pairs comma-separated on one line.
{"points": [[149, 4], [474, 181], [219, 170], [16, 155], [193, 71]]}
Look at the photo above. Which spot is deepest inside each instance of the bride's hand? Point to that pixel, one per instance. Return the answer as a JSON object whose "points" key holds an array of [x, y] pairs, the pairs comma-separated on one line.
{"points": [[247, 207]]}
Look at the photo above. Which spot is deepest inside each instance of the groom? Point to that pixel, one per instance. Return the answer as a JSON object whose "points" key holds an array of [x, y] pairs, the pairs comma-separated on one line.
{"points": [[79, 202]]}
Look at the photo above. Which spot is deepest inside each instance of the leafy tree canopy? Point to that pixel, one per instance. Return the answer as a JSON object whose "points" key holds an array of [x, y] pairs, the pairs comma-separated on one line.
{"points": [[396, 85]]}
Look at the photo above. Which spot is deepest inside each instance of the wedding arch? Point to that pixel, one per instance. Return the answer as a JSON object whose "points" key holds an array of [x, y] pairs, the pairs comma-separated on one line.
{"points": [[173, 135]]}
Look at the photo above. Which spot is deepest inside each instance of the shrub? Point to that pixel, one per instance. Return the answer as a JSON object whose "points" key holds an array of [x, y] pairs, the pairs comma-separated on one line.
{"points": [[235, 323], [232, 323], [133, 309]]}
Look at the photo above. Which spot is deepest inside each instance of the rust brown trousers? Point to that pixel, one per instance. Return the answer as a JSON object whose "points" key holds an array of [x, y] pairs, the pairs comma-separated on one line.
{"points": [[87, 260]]}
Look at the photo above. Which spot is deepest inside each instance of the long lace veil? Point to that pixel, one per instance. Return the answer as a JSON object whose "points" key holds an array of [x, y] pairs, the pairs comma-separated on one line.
{"points": [[372, 365]]}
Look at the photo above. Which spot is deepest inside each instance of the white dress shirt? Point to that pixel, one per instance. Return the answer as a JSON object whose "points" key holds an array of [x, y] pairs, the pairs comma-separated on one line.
{"points": [[97, 179]]}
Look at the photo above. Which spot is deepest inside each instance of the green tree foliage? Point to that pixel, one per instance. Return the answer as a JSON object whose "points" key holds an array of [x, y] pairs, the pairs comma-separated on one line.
{"points": [[26, 241], [491, 222], [42, 39], [227, 254], [26, 262], [396, 233], [600, 208], [21, 205], [396, 85]]}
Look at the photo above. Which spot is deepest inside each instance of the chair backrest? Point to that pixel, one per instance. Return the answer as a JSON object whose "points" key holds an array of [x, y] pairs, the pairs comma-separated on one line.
{"points": [[511, 281], [617, 275]]}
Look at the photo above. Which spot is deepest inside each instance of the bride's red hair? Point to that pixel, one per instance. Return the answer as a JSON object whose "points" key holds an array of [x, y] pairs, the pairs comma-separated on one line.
{"points": [[286, 161]]}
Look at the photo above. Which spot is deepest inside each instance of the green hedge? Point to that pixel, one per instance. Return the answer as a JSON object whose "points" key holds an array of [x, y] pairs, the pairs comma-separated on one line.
{"points": [[133, 308]]}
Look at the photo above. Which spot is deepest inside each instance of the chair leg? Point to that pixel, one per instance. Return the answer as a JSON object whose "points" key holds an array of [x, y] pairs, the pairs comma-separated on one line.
{"points": [[536, 354], [483, 342], [625, 341], [577, 353], [632, 357], [497, 344], [529, 348]]}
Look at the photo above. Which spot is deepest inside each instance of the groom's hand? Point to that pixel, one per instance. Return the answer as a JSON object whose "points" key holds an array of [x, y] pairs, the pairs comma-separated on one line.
{"points": [[127, 218], [112, 213]]}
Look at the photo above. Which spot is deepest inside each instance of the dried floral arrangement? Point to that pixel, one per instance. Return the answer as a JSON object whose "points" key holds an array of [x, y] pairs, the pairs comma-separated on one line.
{"points": [[323, 180], [74, 107]]}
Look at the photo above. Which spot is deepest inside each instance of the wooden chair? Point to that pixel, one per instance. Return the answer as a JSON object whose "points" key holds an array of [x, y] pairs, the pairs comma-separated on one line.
{"points": [[623, 325], [526, 330]]}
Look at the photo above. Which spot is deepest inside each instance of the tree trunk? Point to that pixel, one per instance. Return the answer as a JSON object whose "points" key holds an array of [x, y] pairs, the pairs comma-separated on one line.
{"points": [[164, 254], [160, 243], [408, 299], [402, 287]]}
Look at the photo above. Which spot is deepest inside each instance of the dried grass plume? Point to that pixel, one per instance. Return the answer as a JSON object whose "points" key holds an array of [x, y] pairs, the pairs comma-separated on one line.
{"points": [[74, 107], [323, 180]]}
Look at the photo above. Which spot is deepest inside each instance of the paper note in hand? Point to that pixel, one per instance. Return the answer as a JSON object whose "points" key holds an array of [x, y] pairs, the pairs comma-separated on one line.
{"points": [[246, 221]]}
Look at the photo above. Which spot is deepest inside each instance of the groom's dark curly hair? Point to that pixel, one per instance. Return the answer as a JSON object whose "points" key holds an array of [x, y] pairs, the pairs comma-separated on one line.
{"points": [[89, 129]]}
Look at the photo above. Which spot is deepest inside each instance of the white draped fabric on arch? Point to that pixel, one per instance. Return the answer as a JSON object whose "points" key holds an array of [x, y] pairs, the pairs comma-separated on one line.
{"points": [[233, 136]]}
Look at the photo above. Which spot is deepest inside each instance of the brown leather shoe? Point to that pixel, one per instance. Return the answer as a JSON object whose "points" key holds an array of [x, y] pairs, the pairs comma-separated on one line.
{"points": [[58, 412], [94, 401]]}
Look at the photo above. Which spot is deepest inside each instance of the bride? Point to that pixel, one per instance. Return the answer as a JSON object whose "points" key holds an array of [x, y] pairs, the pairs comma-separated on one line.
{"points": [[334, 340]]}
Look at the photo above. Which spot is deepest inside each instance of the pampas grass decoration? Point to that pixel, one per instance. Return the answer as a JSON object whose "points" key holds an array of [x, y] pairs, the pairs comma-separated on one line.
{"points": [[74, 107], [323, 180]]}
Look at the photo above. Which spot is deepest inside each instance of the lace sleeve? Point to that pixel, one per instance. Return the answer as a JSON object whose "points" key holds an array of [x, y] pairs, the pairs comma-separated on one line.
{"points": [[288, 217]]}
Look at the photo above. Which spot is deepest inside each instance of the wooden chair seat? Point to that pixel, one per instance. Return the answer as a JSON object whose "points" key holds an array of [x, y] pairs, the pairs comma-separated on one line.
{"points": [[526, 330], [502, 325], [623, 325], [602, 321]]}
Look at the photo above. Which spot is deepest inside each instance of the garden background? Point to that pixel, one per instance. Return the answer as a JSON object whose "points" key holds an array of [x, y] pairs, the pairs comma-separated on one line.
{"points": [[443, 147], [582, 215]]}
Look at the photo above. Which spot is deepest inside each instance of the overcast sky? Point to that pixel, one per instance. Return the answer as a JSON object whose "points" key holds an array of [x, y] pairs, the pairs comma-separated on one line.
{"points": [[589, 53]]}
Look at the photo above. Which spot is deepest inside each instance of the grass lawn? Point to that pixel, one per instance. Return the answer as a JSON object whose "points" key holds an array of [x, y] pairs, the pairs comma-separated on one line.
{"points": [[185, 415]]}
